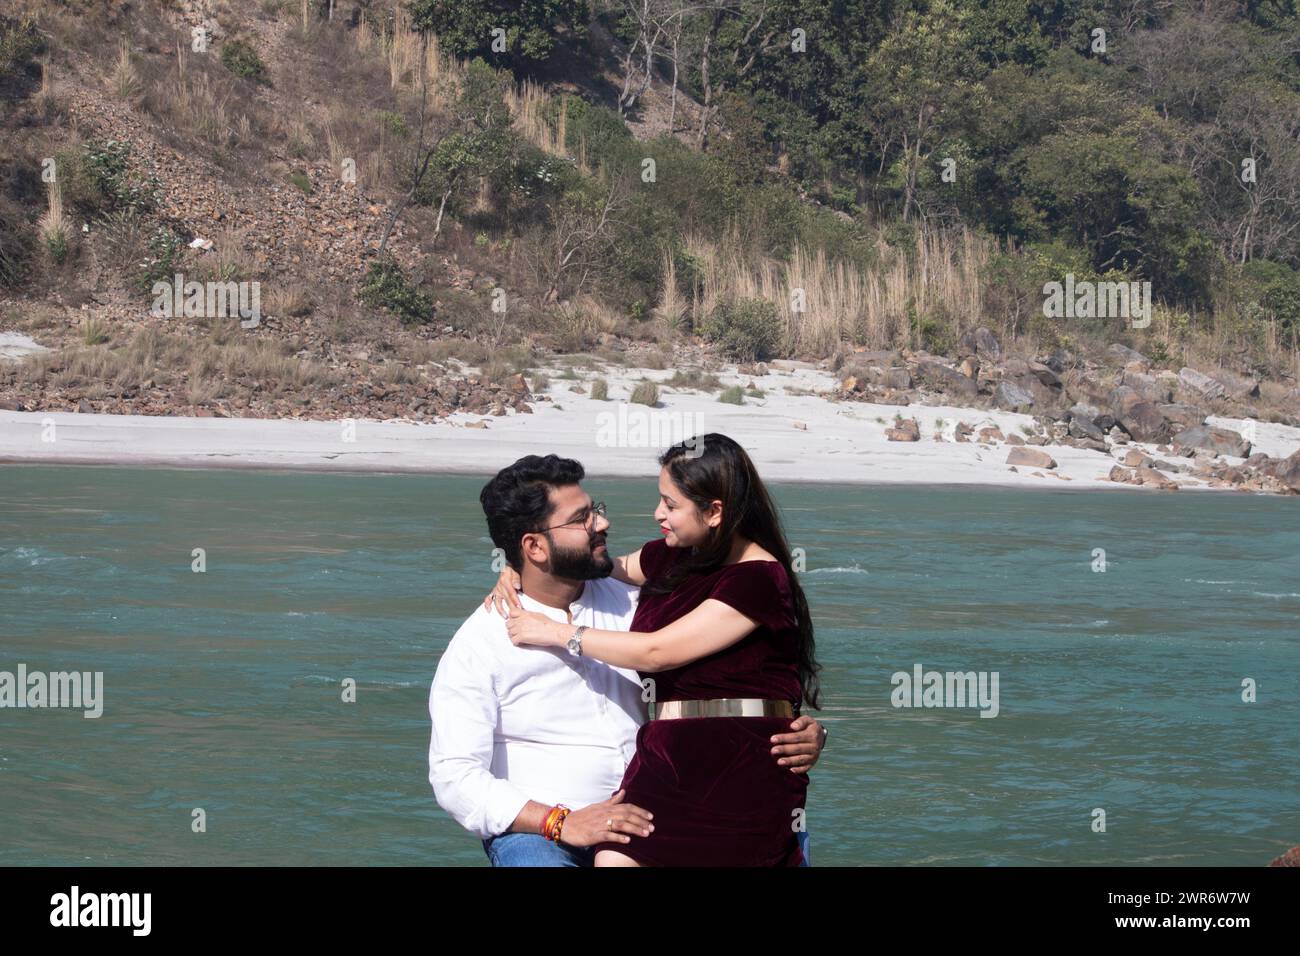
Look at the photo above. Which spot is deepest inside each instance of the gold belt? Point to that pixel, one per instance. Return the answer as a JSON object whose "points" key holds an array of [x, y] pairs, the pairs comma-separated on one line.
{"points": [[723, 707]]}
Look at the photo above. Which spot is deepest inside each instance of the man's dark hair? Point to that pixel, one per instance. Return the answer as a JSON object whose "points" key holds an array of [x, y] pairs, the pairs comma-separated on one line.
{"points": [[517, 500]]}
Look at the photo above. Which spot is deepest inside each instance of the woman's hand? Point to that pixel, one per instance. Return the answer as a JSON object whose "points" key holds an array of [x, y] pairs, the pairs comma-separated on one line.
{"points": [[504, 597], [531, 627]]}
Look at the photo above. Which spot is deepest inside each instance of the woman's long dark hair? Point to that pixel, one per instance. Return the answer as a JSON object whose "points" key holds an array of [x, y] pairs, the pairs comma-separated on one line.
{"points": [[724, 472]]}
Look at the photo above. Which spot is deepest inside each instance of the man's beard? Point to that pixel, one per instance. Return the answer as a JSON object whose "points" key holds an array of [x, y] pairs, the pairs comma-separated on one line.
{"points": [[580, 565]]}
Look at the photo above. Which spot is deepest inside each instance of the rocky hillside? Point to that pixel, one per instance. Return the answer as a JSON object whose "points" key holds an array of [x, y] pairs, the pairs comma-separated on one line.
{"points": [[286, 153]]}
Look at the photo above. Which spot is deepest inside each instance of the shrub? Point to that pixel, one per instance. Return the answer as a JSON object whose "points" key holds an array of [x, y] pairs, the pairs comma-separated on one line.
{"points": [[596, 131], [734, 395], [93, 331], [646, 393], [1271, 293], [165, 251], [694, 379], [302, 182], [242, 60], [20, 41], [746, 330], [394, 123], [386, 287], [97, 178], [600, 390]]}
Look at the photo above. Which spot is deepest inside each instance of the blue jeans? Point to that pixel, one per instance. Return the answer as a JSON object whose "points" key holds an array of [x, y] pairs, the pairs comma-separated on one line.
{"points": [[533, 849]]}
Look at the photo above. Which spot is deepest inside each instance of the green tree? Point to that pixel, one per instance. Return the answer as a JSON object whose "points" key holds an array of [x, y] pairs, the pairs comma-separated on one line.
{"points": [[1110, 192], [531, 27], [922, 77], [479, 144]]}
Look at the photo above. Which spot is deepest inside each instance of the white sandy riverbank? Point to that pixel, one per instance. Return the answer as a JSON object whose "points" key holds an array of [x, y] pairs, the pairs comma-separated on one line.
{"points": [[792, 437]]}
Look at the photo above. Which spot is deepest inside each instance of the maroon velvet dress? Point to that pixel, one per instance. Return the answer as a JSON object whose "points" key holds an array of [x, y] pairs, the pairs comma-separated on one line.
{"points": [[712, 783]]}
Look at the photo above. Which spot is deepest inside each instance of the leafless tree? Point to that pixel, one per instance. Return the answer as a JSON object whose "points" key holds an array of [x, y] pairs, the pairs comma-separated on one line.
{"points": [[423, 154], [576, 239]]}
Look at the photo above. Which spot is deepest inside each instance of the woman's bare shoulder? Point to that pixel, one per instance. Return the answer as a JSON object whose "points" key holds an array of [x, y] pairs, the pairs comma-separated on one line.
{"points": [[757, 553]]}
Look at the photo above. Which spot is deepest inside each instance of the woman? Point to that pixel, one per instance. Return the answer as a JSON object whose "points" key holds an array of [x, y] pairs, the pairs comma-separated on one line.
{"points": [[723, 629]]}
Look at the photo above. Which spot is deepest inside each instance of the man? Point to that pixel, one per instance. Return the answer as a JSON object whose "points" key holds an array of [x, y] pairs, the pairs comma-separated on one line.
{"points": [[518, 731]]}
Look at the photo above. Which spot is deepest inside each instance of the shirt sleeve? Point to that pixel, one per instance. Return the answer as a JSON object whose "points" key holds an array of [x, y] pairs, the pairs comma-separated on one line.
{"points": [[656, 556], [759, 590], [463, 707]]}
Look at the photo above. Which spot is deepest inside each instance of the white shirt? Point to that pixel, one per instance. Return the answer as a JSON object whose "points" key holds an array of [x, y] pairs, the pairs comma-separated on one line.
{"points": [[513, 724]]}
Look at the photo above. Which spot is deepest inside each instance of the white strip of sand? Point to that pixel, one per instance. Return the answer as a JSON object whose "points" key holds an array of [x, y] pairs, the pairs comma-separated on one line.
{"points": [[791, 437]]}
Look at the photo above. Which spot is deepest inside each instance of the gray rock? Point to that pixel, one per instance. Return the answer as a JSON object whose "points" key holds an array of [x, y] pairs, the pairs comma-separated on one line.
{"points": [[1201, 384], [1044, 374], [1148, 386], [1083, 427], [1121, 355], [1183, 416], [1121, 399], [885, 357], [1010, 396], [946, 379], [1237, 387], [1084, 410], [1143, 421], [982, 343], [1221, 441], [899, 378]]}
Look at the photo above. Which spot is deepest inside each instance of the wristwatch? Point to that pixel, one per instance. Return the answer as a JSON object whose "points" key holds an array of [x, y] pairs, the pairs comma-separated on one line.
{"points": [[575, 642]]}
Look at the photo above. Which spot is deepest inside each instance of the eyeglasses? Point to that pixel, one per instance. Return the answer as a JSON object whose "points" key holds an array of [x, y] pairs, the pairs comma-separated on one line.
{"points": [[596, 510]]}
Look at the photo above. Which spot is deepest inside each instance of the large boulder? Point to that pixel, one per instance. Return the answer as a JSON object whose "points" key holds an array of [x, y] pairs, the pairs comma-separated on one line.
{"points": [[1011, 396], [1148, 386], [1045, 374], [946, 379], [1035, 378], [884, 357], [1288, 473], [1121, 399], [1082, 426], [899, 378], [982, 343], [1221, 441], [1201, 384], [1122, 355], [1146, 475], [1144, 422], [1031, 457], [1084, 410], [1183, 416], [1237, 387]]}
